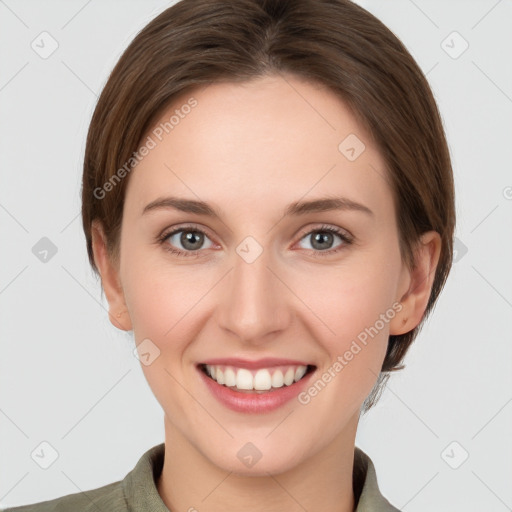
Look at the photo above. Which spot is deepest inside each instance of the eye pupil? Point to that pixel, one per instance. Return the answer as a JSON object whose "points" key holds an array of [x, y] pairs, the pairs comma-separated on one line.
{"points": [[188, 237], [321, 237]]}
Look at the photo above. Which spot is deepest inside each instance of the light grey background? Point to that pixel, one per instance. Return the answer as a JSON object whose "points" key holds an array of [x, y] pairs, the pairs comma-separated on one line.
{"points": [[69, 378]]}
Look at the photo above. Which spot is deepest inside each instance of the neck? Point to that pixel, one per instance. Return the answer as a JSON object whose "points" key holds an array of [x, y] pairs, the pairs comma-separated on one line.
{"points": [[191, 482]]}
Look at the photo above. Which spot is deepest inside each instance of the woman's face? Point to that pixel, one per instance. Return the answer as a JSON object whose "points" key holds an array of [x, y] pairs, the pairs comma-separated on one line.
{"points": [[267, 279]]}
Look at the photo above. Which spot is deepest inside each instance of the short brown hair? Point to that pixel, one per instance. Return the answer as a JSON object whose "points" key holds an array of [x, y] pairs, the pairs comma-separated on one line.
{"points": [[332, 42]]}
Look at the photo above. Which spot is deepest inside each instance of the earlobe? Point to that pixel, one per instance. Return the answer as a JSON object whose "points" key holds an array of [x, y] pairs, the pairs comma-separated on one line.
{"points": [[419, 281], [110, 279], [120, 320]]}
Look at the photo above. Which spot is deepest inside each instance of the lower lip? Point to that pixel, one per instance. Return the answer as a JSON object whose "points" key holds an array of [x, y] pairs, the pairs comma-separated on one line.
{"points": [[254, 402]]}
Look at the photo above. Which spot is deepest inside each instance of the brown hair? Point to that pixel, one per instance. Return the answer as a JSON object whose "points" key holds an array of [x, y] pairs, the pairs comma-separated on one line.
{"points": [[332, 42]]}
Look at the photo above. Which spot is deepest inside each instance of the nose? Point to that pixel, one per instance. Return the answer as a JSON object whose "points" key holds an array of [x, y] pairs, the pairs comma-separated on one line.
{"points": [[255, 303]]}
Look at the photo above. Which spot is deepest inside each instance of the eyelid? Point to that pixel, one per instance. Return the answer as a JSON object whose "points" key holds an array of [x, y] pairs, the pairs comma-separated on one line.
{"points": [[184, 227], [326, 227], [167, 232], [346, 237]]}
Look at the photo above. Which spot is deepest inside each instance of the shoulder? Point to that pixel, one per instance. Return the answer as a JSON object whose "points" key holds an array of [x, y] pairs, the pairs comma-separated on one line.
{"points": [[108, 497], [137, 491], [366, 488]]}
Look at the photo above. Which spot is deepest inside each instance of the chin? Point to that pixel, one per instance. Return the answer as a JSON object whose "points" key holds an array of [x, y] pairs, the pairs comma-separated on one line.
{"points": [[246, 459]]}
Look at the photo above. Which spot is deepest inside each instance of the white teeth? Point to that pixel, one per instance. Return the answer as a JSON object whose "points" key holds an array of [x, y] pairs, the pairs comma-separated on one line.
{"points": [[277, 379], [229, 377], [289, 376], [261, 380], [244, 379], [300, 372]]}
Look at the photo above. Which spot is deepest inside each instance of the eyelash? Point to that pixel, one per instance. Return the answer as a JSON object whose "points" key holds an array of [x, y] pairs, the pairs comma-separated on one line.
{"points": [[347, 240]]}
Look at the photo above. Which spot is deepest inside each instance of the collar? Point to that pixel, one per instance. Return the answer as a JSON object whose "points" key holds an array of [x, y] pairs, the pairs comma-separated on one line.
{"points": [[139, 485], [366, 489]]}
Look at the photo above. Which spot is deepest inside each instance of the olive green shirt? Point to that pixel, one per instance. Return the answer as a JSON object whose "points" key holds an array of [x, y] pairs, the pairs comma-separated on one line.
{"points": [[137, 492]]}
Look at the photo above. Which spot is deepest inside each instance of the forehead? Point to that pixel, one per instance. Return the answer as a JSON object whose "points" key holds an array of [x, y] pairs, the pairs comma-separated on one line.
{"points": [[271, 140]]}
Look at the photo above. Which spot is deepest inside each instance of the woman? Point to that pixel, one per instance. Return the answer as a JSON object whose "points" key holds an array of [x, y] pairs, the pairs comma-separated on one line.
{"points": [[231, 142]]}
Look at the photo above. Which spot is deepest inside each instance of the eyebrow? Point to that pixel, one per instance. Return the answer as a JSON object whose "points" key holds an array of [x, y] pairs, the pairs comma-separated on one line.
{"points": [[297, 208]]}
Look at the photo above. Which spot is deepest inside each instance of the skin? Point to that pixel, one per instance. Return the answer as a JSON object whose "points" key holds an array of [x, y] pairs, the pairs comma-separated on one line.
{"points": [[251, 149]]}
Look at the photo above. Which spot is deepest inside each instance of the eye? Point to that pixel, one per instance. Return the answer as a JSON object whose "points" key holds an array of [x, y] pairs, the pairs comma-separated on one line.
{"points": [[322, 239], [191, 240]]}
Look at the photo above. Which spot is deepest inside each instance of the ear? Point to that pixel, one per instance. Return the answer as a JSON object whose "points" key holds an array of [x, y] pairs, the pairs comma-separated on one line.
{"points": [[110, 281], [416, 284]]}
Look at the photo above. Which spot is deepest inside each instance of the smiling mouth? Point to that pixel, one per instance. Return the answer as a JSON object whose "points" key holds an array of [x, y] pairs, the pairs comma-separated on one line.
{"points": [[258, 381]]}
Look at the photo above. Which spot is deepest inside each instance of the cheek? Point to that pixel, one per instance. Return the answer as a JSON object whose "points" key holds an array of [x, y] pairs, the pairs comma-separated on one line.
{"points": [[341, 299], [350, 298], [351, 308], [163, 303], [161, 300], [158, 292]]}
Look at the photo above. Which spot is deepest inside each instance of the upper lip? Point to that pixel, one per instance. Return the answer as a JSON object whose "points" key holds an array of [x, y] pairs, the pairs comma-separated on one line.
{"points": [[266, 362]]}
